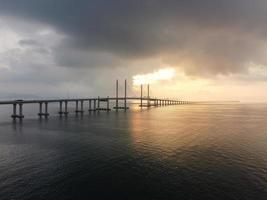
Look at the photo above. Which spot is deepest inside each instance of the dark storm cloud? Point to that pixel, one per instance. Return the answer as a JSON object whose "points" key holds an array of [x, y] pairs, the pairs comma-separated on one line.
{"points": [[204, 37]]}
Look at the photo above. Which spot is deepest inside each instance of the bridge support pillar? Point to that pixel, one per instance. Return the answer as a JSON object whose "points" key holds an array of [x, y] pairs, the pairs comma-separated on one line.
{"points": [[81, 111], [46, 109], [82, 106], [60, 108], [41, 113], [90, 106], [148, 98], [77, 104], [98, 104], [40, 109], [125, 94], [141, 99], [77, 107], [14, 111], [15, 115], [21, 111], [66, 108], [117, 95], [94, 104], [108, 104]]}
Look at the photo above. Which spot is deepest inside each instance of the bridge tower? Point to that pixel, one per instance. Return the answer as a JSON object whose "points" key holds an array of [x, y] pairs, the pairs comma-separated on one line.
{"points": [[148, 98], [141, 96]]}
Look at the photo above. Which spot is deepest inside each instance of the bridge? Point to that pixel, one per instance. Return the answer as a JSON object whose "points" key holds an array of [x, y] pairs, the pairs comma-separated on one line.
{"points": [[95, 104]]}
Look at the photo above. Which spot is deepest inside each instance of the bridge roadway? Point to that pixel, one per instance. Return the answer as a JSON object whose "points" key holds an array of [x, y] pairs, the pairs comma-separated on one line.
{"points": [[11, 102], [80, 109]]}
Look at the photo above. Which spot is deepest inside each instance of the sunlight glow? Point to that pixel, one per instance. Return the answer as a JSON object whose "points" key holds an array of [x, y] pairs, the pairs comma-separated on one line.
{"points": [[162, 74]]}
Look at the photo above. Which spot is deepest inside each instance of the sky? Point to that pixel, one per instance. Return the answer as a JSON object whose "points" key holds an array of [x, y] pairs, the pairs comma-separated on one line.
{"points": [[191, 50]]}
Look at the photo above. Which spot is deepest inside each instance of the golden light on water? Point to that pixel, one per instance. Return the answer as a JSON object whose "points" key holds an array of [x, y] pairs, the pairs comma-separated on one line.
{"points": [[161, 74]]}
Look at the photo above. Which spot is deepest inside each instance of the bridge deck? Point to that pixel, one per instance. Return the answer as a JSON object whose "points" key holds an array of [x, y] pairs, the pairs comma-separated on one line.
{"points": [[95, 104], [80, 99]]}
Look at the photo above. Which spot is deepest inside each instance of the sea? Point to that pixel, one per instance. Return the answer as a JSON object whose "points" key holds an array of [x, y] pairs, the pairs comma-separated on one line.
{"points": [[198, 151]]}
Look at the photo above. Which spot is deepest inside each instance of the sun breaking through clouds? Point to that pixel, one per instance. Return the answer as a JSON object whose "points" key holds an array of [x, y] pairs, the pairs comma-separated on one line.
{"points": [[150, 78]]}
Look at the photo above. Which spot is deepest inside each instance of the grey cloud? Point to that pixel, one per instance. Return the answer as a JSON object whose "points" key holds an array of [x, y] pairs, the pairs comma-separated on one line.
{"points": [[203, 37], [29, 42], [66, 55], [35, 46]]}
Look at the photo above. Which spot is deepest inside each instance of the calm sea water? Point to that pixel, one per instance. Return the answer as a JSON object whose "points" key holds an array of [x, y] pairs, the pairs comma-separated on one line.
{"points": [[176, 152]]}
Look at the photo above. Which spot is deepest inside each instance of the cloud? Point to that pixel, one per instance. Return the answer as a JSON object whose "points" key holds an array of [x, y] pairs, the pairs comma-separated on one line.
{"points": [[48, 47], [66, 55], [203, 38], [154, 77], [29, 42]]}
